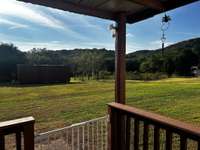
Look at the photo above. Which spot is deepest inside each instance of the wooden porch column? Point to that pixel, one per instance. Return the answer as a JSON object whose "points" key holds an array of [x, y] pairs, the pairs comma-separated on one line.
{"points": [[120, 52]]}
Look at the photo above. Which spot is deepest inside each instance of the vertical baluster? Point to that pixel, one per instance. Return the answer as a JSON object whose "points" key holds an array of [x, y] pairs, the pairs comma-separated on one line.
{"points": [[128, 132], [97, 146], [48, 142], [102, 135], [72, 138], [93, 136], [55, 138], [88, 147], [83, 137], [122, 129], [136, 134], [183, 143], [106, 134], [18, 140], [156, 138], [66, 139], [2, 142], [78, 138], [146, 137], [168, 140]]}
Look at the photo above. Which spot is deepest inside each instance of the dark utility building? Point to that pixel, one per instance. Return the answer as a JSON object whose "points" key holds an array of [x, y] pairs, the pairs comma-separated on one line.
{"points": [[42, 74]]}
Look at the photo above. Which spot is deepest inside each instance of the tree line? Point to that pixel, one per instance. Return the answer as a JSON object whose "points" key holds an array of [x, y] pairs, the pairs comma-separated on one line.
{"points": [[99, 63], [176, 60]]}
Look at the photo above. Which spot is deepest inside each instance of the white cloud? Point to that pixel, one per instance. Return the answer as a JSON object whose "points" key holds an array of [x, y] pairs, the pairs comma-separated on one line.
{"points": [[58, 45], [12, 24], [157, 44], [36, 15], [23, 11], [130, 35], [78, 20], [188, 33]]}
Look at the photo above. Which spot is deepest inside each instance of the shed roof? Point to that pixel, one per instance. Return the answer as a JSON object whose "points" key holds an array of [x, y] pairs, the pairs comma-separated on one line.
{"points": [[136, 10]]}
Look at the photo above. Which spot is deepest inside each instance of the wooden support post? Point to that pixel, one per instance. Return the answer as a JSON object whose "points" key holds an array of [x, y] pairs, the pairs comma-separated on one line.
{"points": [[117, 127], [112, 130], [2, 141], [120, 52], [29, 137]]}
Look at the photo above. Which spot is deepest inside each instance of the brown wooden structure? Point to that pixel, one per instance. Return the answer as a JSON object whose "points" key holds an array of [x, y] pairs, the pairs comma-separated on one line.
{"points": [[123, 12], [43, 74]]}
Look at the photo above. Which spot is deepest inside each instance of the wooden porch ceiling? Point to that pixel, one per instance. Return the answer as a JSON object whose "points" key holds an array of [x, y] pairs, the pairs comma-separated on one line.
{"points": [[136, 10]]}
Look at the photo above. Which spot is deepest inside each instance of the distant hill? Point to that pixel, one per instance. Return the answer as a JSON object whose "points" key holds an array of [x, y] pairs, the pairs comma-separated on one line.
{"points": [[174, 49], [178, 59]]}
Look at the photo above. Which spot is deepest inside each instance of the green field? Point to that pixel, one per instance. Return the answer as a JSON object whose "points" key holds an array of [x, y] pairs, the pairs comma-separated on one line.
{"points": [[56, 106]]}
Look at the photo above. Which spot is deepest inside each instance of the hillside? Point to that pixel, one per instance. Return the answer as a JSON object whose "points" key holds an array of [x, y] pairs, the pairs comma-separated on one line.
{"points": [[138, 57], [177, 59], [191, 44], [99, 63]]}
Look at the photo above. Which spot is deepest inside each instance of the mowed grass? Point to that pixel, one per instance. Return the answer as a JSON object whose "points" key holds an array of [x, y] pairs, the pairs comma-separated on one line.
{"points": [[55, 106]]}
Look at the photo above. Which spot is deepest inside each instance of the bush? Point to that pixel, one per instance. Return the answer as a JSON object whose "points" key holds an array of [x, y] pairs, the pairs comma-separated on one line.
{"points": [[105, 75], [153, 76], [145, 76]]}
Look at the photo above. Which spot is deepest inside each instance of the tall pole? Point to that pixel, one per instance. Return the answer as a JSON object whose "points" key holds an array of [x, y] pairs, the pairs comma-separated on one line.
{"points": [[120, 53]]}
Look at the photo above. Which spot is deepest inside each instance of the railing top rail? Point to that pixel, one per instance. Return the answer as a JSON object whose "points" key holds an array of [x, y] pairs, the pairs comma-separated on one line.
{"points": [[71, 126], [162, 121], [16, 123]]}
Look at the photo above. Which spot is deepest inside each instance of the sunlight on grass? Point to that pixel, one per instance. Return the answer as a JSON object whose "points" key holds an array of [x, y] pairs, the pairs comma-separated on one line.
{"points": [[56, 106]]}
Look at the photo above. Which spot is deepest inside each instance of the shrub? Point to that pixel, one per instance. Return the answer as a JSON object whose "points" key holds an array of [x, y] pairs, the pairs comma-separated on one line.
{"points": [[105, 75], [145, 76]]}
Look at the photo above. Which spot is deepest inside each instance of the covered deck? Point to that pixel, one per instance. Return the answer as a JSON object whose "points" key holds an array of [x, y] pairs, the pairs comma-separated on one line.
{"points": [[128, 127]]}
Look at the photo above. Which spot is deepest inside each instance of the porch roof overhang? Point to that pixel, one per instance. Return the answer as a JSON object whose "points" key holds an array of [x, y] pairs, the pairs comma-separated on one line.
{"points": [[135, 10]]}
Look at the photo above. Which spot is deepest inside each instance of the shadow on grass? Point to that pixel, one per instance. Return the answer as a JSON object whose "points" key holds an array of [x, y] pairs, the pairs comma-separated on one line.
{"points": [[36, 85]]}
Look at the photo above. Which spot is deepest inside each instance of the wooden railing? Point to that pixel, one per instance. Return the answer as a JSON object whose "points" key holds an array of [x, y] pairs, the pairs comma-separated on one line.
{"points": [[132, 128], [17, 127]]}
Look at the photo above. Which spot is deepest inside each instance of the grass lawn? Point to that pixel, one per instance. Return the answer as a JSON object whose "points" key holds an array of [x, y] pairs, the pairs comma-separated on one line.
{"points": [[56, 106]]}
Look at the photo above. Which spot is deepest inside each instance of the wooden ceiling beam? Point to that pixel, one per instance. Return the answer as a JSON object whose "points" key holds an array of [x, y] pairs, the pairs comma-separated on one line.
{"points": [[154, 4], [154, 8], [171, 4], [149, 12], [72, 7]]}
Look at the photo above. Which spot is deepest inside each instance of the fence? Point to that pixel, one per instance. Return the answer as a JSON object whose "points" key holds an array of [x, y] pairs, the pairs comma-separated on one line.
{"points": [[89, 135]]}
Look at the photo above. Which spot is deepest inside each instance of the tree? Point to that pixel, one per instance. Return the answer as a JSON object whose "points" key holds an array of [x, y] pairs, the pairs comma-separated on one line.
{"points": [[185, 61], [10, 56], [169, 66]]}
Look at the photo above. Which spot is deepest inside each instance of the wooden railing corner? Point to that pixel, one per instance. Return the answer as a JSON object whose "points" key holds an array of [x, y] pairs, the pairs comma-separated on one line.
{"points": [[142, 122], [17, 127]]}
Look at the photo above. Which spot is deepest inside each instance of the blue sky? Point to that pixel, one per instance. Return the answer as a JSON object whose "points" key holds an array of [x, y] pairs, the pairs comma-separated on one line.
{"points": [[28, 26]]}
